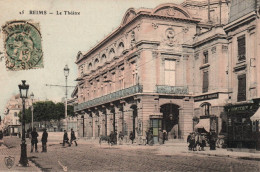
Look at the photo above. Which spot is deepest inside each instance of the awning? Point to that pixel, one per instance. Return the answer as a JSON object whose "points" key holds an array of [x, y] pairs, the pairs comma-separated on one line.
{"points": [[204, 123], [256, 116]]}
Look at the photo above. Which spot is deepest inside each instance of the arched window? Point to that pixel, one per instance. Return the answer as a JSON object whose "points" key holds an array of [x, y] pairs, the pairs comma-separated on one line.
{"points": [[96, 61], [89, 66], [103, 57], [206, 108], [111, 53], [121, 47]]}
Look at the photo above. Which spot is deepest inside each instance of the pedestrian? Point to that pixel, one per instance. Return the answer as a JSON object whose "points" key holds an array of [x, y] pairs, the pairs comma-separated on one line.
{"points": [[147, 136], [111, 138], [150, 138], [65, 138], [73, 137], [212, 140], [189, 141], [131, 137], [164, 136], [203, 144], [196, 141], [200, 141], [192, 140], [121, 137], [44, 140], [34, 140], [160, 137]]}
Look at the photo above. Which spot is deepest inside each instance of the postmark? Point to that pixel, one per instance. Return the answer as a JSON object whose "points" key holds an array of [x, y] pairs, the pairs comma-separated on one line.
{"points": [[23, 45]]}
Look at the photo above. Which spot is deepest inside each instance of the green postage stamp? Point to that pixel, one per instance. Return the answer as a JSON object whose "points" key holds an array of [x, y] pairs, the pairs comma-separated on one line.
{"points": [[23, 47]]}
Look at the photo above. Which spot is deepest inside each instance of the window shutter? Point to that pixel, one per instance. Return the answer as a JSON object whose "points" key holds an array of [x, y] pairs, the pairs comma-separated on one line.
{"points": [[241, 95], [241, 43], [205, 82]]}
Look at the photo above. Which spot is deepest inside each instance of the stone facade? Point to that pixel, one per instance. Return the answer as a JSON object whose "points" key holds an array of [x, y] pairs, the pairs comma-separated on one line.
{"points": [[243, 71], [150, 73]]}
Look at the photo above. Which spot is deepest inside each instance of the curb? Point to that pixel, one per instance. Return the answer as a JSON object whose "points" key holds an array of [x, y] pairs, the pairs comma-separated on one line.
{"points": [[229, 156]]}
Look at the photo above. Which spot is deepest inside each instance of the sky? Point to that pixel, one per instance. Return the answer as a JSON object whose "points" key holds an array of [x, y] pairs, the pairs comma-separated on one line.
{"points": [[62, 37]]}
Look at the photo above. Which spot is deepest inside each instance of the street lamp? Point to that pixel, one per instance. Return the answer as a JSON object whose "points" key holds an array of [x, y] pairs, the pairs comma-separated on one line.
{"points": [[66, 74], [23, 94], [32, 96]]}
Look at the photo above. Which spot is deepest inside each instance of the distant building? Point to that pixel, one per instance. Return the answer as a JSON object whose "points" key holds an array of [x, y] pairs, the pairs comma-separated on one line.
{"points": [[11, 123]]}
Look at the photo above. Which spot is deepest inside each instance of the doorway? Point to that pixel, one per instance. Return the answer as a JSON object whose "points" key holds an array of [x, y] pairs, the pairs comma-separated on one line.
{"points": [[170, 121]]}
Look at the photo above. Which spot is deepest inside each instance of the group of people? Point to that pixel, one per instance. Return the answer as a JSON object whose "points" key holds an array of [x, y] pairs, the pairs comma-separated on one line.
{"points": [[72, 138], [34, 140], [44, 139], [196, 141]]}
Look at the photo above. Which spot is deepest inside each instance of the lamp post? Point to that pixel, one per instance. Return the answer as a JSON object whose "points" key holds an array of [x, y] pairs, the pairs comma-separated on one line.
{"points": [[66, 74], [23, 94], [32, 96]]}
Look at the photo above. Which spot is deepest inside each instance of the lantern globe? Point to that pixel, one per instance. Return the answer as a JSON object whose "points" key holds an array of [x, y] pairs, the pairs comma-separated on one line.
{"points": [[66, 71], [32, 95], [23, 89]]}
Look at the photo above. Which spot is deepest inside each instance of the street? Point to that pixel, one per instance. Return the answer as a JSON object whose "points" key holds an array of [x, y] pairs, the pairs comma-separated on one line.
{"points": [[93, 157]]}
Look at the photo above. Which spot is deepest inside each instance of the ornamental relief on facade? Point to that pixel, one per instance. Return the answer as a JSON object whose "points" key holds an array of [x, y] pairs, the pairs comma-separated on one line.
{"points": [[172, 12], [170, 38]]}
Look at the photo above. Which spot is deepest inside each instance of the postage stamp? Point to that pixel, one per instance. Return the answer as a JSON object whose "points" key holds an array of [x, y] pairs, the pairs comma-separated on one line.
{"points": [[23, 45]]}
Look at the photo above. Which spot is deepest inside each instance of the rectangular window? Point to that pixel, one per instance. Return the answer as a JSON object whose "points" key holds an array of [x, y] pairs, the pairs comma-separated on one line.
{"points": [[206, 57], [121, 78], [169, 72], [113, 84], [241, 94], [241, 45], [205, 84]]}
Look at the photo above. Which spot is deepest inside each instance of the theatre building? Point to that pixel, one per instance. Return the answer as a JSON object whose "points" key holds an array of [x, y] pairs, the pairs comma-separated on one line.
{"points": [[161, 69]]}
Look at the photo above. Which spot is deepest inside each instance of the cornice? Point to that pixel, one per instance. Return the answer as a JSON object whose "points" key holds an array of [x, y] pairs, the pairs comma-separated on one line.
{"points": [[213, 37], [240, 21]]}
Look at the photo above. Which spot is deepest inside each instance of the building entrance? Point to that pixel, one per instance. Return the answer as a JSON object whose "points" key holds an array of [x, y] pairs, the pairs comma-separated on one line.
{"points": [[170, 121]]}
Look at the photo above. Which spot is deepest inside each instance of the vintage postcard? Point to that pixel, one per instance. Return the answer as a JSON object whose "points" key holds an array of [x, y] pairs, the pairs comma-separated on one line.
{"points": [[129, 85]]}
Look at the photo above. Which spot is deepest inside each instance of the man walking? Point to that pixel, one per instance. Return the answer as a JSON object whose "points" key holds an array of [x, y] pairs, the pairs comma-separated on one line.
{"points": [[65, 138], [131, 137], [34, 140], [44, 140], [73, 137]]}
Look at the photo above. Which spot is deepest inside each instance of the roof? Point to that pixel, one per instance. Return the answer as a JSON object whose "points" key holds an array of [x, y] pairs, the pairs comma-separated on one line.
{"points": [[167, 10]]}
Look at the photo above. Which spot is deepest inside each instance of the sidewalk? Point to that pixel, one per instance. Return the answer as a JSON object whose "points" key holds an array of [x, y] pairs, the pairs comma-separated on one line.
{"points": [[173, 148], [180, 148], [14, 152]]}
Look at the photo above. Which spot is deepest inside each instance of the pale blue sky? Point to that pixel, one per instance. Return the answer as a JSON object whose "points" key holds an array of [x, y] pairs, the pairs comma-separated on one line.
{"points": [[62, 37]]}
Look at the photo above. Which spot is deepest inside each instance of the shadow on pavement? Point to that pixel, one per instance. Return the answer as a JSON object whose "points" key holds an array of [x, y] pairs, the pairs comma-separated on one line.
{"points": [[32, 159]]}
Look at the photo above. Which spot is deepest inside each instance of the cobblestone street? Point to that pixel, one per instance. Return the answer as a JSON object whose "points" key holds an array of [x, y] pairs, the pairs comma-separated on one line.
{"points": [[93, 157]]}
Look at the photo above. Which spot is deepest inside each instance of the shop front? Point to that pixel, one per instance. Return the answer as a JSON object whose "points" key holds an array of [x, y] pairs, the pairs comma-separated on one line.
{"points": [[256, 128], [207, 124], [240, 128]]}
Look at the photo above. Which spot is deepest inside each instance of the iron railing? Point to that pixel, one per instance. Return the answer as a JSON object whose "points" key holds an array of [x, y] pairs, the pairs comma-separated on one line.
{"points": [[109, 97], [165, 89]]}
